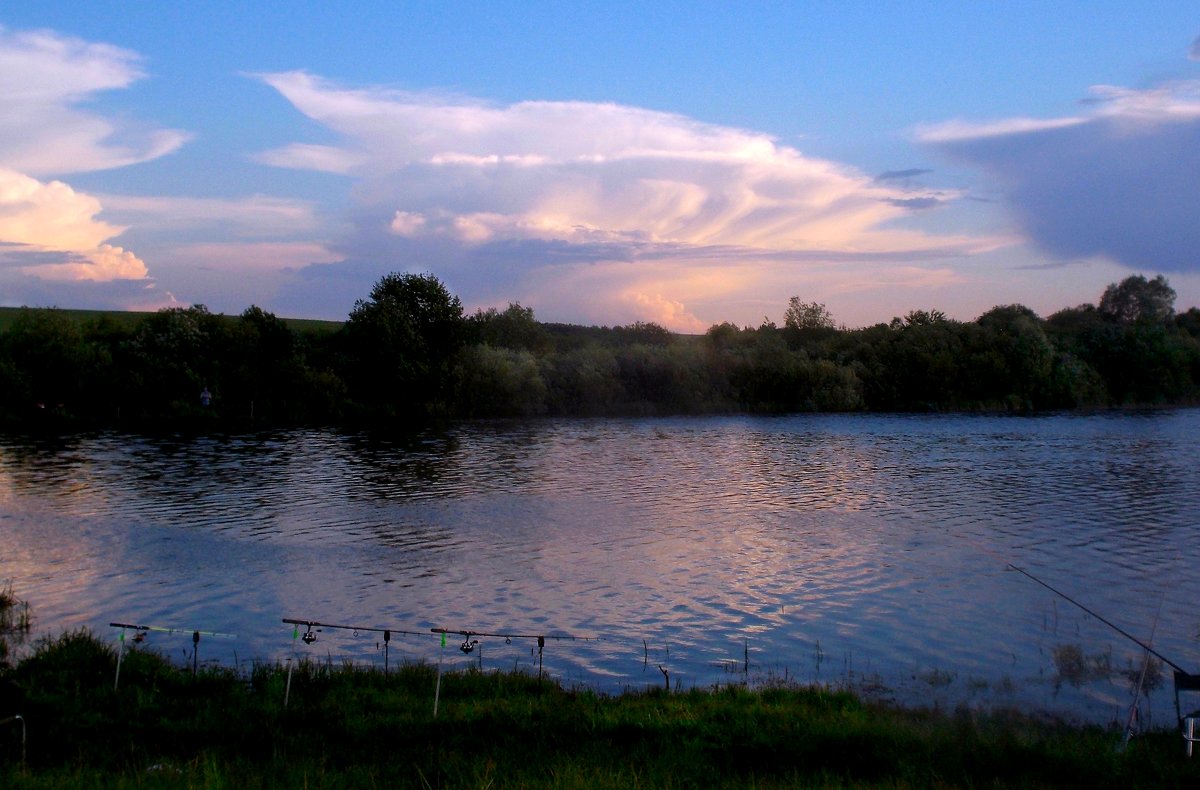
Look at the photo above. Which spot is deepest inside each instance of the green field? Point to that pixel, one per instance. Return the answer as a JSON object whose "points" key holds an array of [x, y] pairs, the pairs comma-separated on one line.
{"points": [[130, 320]]}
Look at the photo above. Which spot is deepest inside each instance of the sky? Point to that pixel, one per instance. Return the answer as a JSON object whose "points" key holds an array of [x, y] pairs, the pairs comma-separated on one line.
{"points": [[682, 163]]}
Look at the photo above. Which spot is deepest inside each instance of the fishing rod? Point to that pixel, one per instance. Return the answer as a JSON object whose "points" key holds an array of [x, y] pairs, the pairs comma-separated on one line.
{"points": [[1102, 619], [143, 629], [1009, 564], [139, 636], [507, 637], [310, 635]]}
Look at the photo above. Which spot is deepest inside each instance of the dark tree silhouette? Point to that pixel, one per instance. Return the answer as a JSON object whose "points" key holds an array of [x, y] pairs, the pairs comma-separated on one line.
{"points": [[1137, 300], [402, 343]]}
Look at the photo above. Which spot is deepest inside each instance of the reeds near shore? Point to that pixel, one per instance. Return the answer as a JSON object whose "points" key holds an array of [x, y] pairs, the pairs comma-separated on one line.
{"points": [[15, 622], [346, 726]]}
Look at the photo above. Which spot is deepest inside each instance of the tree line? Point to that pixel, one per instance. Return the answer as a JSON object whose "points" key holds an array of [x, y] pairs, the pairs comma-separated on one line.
{"points": [[408, 352]]}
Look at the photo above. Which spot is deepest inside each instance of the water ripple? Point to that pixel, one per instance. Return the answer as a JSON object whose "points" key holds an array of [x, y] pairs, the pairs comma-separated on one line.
{"points": [[864, 550]]}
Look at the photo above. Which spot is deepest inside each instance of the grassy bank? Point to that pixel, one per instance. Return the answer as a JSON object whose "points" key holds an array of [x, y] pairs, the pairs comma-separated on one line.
{"points": [[352, 727]]}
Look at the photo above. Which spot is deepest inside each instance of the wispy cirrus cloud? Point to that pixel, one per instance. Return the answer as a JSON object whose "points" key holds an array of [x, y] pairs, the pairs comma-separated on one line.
{"points": [[46, 79], [507, 198], [256, 215], [1118, 181]]}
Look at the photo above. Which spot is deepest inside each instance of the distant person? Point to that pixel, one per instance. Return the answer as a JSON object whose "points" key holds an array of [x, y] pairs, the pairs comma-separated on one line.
{"points": [[205, 397]]}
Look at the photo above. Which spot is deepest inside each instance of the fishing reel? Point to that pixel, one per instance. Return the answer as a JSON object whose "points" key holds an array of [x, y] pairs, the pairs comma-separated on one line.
{"points": [[309, 636], [468, 645]]}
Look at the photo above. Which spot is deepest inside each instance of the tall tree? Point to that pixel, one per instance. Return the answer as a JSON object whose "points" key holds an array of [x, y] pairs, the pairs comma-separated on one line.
{"points": [[177, 353], [49, 359], [514, 328], [1136, 300], [807, 315], [402, 342]]}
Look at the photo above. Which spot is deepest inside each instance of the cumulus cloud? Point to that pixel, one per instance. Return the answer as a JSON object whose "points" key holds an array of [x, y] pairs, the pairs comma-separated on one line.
{"points": [[53, 232], [49, 215], [490, 193], [1118, 182], [104, 263], [668, 312], [45, 80], [407, 223], [49, 231], [583, 172]]}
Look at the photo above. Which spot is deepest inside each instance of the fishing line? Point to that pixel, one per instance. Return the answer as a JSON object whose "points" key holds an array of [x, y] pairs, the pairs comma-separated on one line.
{"points": [[1009, 564], [1099, 617]]}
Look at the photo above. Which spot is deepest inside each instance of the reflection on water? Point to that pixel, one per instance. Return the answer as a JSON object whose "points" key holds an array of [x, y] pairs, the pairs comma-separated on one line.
{"points": [[868, 550]]}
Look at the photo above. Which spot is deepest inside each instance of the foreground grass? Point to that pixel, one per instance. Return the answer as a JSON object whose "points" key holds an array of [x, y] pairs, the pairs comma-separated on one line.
{"points": [[348, 727]]}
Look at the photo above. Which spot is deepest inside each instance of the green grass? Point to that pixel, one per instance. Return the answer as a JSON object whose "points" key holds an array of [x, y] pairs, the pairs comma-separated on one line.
{"points": [[127, 320], [352, 727]]}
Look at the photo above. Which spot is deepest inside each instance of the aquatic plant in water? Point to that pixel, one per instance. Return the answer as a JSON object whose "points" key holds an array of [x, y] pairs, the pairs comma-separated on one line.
{"points": [[15, 621]]}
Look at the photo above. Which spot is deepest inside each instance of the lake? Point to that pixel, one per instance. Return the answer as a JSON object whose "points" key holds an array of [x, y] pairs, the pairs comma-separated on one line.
{"points": [[865, 551]]}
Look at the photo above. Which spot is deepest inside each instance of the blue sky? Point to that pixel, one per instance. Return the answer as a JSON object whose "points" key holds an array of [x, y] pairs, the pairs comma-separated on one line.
{"points": [[684, 163]]}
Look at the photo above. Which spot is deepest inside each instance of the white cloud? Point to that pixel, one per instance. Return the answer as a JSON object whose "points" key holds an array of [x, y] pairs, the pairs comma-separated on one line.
{"points": [[103, 264], [56, 226], [244, 258], [576, 171], [1174, 101], [1118, 183], [257, 215], [44, 79], [49, 215], [391, 129], [601, 212], [321, 158], [407, 223], [951, 131], [667, 312]]}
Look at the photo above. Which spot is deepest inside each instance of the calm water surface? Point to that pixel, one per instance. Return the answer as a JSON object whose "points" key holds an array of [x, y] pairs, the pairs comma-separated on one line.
{"points": [[866, 551]]}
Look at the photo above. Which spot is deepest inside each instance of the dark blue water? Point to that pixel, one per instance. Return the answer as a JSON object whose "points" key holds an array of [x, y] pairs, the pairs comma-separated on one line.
{"points": [[862, 551]]}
